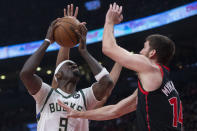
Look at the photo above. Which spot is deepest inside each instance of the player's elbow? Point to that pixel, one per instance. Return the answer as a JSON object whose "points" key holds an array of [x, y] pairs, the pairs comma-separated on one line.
{"points": [[109, 83], [106, 47], [23, 74], [109, 50], [106, 50], [116, 113], [109, 86]]}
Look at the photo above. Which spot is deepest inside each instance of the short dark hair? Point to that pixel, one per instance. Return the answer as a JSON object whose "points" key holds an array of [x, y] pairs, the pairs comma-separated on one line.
{"points": [[164, 46]]}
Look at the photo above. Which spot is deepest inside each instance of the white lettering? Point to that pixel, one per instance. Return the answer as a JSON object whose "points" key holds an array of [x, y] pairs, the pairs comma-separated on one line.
{"points": [[168, 88]]}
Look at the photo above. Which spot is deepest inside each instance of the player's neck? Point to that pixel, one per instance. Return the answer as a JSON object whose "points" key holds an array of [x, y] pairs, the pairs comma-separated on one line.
{"points": [[68, 87], [154, 61]]}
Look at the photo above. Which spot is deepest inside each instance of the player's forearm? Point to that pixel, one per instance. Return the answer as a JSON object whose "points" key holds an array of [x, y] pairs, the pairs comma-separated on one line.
{"points": [[103, 113], [112, 111], [33, 62], [114, 75], [92, 62], [109, 40], [63, 54], [115, 72]]}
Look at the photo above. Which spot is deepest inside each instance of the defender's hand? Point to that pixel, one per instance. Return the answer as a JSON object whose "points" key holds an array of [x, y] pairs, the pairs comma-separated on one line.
{"points": [[70, 112], [114, 14], [70, 11]]}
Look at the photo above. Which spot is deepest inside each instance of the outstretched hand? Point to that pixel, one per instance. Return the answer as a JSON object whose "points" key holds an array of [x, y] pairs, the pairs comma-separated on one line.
{"points": [[70, 112], [114, 14], [70, 11]]}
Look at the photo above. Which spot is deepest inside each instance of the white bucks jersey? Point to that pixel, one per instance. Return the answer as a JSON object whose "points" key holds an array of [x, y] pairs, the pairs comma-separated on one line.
{"points": [[51, 116]]}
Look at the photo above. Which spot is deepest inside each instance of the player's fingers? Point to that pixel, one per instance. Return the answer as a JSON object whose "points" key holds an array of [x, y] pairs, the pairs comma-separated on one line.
{"points": [[68, 115], [54, 22], [121, 17], [83, 23], [83, 27], [68, 10], [64, 12], [120, 10], [63, 105], [55, 26], [114, 6], [76, 12], [117, 8], [71, 11], [60, 103], [110, 6], [71, 115], [78, 33]]}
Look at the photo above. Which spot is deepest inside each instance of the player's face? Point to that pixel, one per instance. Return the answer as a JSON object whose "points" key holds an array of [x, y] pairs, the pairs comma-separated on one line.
{"points": [[71, 69], [145, 51]]}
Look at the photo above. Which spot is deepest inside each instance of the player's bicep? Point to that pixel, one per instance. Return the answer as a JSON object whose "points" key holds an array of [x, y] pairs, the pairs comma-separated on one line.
{"points": [[32, 83], [103, 87], [90, 98]]}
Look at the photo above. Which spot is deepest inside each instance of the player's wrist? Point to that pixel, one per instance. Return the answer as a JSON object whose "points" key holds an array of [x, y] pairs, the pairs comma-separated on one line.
{"points": [[101, 74], [48, 40], [108, 22]]}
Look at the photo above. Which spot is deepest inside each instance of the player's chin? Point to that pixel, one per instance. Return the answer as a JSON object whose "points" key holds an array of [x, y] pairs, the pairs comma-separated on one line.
{"points": [[77, 73]]}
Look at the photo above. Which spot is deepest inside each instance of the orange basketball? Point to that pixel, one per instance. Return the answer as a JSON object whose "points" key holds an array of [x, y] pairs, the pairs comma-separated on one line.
{"points": [[64, 33]]}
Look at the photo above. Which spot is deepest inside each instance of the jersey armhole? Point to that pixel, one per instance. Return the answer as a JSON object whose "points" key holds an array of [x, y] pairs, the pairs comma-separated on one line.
{"points": [[49, 94], [84, 100]]}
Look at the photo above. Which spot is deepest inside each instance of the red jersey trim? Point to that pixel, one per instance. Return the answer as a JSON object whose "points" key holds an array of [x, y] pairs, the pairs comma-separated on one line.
{"points": [[141, 89], [167, 68], [147, 116], [160, 70]]}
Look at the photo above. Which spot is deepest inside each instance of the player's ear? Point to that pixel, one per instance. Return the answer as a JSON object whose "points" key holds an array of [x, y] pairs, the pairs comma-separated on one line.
{"points": [[59, 75], [152, 53]]}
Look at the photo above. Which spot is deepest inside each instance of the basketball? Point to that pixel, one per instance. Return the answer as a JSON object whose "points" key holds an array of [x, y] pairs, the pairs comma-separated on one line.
{"points": [[64, 33]]}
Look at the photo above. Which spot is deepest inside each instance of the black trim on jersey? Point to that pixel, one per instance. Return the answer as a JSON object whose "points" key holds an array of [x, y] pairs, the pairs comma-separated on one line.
{"points": [[38, 115], [84, 100], [65, 96]]}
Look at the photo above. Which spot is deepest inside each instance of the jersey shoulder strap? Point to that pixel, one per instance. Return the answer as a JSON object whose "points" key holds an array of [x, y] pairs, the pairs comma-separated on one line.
{"points": [[49, 94]]}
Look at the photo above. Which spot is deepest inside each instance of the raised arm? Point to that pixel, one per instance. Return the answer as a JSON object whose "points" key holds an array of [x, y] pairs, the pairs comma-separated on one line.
{"points": [[64, 52], [110, 48], [107, 112], [31, 81], [114, 74], [104, 83]]}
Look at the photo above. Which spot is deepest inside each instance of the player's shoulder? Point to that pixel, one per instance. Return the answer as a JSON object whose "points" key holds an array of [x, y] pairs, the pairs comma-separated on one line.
{"points": [[145, 60], [46, 85], [88, 90]]}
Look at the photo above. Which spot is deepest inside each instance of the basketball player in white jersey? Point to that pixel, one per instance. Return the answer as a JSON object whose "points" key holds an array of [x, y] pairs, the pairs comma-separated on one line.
{"points": [[51, 116]]}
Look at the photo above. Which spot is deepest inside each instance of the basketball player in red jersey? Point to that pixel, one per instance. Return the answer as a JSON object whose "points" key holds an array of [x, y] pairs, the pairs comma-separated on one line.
{"points": [[158, 105]]}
